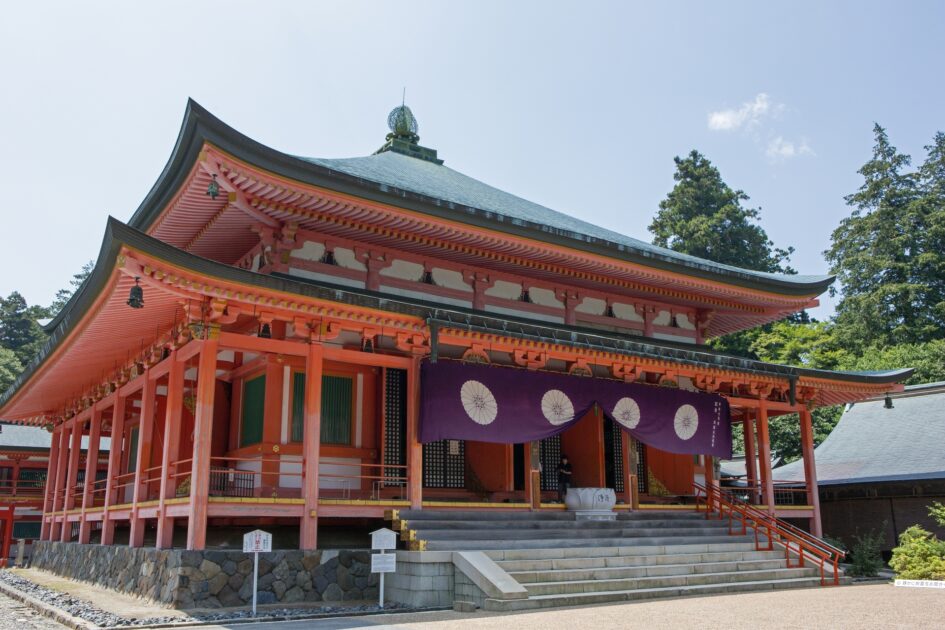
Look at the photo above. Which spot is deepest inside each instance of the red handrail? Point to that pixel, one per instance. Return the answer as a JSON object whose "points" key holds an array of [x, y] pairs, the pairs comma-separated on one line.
{"points": [[786, 534]]}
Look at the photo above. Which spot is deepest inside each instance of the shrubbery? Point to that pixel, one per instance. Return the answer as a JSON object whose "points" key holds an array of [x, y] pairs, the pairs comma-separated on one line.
{"points": [[920, 554], [865, 557]]}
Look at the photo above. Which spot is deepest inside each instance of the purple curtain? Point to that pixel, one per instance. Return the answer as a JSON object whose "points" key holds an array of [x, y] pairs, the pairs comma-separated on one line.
{"points": [[510, 406]]}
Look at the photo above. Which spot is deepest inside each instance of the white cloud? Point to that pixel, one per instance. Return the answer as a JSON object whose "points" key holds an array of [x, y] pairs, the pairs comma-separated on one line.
{"points": [[781, 149], [748, 115]]}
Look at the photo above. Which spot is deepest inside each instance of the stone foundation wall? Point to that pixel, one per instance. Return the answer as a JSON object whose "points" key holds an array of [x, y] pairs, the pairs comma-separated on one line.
{"points": [[211, 579]]}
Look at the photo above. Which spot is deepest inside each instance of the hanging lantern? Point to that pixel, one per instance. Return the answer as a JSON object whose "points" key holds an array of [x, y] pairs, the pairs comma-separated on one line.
{"points": [[136, 295], [888, 402], [427, 277], [265, 332], [525, 297], [213, 189], [610, 311]]}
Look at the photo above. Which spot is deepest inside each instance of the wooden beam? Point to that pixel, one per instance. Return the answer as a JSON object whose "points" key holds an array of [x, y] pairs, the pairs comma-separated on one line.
{"points": [[170, 452]]}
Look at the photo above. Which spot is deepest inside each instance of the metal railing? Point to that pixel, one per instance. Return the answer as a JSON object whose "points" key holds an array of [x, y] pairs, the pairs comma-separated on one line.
{"points": [[769, 529], [785, 493]]}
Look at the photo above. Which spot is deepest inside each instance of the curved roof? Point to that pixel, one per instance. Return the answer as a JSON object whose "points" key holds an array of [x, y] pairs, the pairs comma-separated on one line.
{"points": [[873, 444], [98, 308], [439, 191]]}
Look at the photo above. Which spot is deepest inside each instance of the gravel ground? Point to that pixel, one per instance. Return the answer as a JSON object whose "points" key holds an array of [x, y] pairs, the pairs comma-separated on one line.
{"points": [[84, 609], [18, 616], [848, 607]]}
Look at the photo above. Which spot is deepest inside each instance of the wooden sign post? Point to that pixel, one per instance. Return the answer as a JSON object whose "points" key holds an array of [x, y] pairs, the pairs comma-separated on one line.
{"points": [[383, 540], [256, 542]]}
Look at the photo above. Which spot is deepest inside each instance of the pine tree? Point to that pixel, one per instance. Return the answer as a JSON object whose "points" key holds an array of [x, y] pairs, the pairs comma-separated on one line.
{"points": [[20, 331]]}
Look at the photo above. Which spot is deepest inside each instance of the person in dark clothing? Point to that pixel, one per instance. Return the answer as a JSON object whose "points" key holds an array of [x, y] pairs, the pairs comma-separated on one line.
{"points": [[564, 477]]}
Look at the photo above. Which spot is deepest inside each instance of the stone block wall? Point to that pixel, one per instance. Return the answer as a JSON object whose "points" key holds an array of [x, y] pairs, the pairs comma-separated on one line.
{"points": [[215, 578], [423, 579]]}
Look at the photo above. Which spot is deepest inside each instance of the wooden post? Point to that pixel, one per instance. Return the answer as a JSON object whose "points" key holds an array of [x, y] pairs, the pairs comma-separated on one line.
{"points": [[54, 530], [628, 469], [534, 474], [810, 471], [272, 424], [764, 455], [143, 459], [75, 449], [414, 448], [114, 463], [170, 452], [48, 492], [203, 428], [91, 468], [751, 462], [311, 446]]}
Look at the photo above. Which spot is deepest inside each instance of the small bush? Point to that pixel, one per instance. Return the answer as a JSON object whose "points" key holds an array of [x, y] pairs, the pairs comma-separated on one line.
{"points": [[865, 557], [937, 512], [919, 556]]}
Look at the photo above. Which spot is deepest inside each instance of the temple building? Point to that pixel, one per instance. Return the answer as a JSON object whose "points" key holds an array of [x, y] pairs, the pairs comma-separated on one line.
{"points": [[305, 343]]}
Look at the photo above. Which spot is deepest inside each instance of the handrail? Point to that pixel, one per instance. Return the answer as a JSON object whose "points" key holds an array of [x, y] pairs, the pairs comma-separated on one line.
{"points": [[786, 534]]}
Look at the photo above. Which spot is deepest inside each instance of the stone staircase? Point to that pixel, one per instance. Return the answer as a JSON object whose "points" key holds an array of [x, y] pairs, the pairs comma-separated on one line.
{"points": [[641, 555]]}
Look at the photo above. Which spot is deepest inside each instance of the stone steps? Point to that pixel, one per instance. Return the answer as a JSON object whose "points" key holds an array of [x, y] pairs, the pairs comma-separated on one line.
{"points": [[576, 533], [644, 571], [561, 543], [601, 597], [621, 561], [570, 587]]}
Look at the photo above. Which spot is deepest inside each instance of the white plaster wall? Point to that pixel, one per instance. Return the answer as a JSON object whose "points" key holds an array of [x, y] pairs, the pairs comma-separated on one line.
{"points": [[627, 312], [673, 338], [529, 315], [663, 318], [506, 290], [423, 295], [403, 269], [592, 306], [290, 467], [310, 250], [683, 320], [544, 297], [346, 258], [450, 279], [339, 466]]}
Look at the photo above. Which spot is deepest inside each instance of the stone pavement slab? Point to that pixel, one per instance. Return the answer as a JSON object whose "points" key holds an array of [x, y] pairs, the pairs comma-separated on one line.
{"points": [[837, 608], [16, 615]]}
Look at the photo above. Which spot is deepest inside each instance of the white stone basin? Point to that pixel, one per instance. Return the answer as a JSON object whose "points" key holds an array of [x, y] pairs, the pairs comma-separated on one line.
{"points": [[591, 502]]}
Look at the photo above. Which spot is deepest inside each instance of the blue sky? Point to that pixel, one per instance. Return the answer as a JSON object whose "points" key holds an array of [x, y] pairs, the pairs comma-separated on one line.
{"points": [[580, 106]]}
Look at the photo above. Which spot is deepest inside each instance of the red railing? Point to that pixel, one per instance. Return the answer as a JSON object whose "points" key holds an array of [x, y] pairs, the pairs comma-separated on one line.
{"points": [[22, 487], [771, 529]]}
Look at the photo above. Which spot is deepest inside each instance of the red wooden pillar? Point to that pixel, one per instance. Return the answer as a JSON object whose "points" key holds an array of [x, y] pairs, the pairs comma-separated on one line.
{"points": [[272, 424], [627, 472], [50, 484], [170, 452], [764, 455], [143, 459], [414, 448], [751, 463], [311, 446], [59, 482], [114, 463], [75, 448], [91, 467], [203, 428], [810, 471]]}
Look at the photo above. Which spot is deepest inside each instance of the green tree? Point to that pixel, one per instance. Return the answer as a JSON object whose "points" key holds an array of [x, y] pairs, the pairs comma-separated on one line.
{"points": [[10, 368], [928, 359], [63, 295], [20, 331], [702, 216], [888, 254]]}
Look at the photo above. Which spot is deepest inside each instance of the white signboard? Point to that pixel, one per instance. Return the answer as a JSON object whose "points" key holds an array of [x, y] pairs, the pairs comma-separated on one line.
{"points": [[383, 563], [912, 583], [257, 541], [383, 539]]}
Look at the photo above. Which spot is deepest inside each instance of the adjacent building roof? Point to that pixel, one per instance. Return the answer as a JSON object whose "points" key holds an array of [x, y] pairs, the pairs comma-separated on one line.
{"points": [[436, 190], [22, 438], [874, 444]]}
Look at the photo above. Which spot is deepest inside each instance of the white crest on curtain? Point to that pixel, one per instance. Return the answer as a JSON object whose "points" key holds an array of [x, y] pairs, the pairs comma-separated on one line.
{"points": [[478, 402], [686, 422], [557, 407], [627, 412]]}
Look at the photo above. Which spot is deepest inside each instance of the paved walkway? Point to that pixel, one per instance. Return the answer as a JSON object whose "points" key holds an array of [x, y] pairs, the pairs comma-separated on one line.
{"points": [[853, 607], [17, 616]]}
